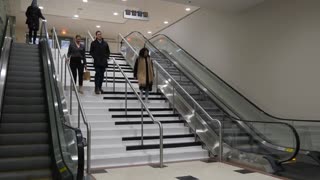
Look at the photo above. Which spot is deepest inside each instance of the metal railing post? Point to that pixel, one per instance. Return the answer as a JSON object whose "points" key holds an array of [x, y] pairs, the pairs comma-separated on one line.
{"points": [[142, 122], [59, 54], [71, 87], [106, 77], [173, 100], [65, 73], [157, 80], [61, 71], [161, 145], [88, 150], [114, 74], [79, 116], [126, 97]]}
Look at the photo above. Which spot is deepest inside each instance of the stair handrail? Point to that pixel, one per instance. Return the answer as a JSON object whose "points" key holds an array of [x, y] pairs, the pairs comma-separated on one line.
{"points": [[158, 66], [81, 111], [4, 56], [143, 106]]}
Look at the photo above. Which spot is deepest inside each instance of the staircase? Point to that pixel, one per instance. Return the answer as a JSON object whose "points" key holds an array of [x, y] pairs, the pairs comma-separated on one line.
{"points": [[116, 136], [25, 144]]}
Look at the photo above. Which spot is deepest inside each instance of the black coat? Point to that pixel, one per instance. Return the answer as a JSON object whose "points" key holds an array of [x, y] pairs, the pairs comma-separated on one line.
{"points": [[33, 14], [100, 53]]}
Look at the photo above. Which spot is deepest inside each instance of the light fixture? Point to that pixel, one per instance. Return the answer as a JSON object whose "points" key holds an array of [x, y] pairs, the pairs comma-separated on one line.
{"points": [[188, 9], [149, 32], [85, 1], [165, 22], [115, 13], [76, 16], [40, 7], [64, 32], [98, 26], [124, 0]]}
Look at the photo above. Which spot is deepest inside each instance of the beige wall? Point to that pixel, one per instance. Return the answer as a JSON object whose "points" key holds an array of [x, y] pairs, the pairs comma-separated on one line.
{"points": [[270, 53]]}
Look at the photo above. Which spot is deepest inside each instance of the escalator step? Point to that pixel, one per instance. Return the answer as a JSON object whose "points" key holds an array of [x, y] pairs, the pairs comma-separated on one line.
{"points": [[41, 174], [25, 63], [25, 74], [24, 93], [21, 85], [25, 49], [24, 79], [24, 69], [7, 128], [24, 100], [39, 117], [25, 46], [24, 150], [21, 138], [25, 53], [25, 163], [21, 109], [24, 58]]}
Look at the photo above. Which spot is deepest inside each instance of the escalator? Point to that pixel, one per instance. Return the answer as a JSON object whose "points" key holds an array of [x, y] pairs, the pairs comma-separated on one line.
{"points": [[250, 135], [35, 141]]}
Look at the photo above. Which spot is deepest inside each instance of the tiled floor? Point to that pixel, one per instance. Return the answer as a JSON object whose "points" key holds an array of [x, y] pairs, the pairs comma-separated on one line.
{"points": [[194, 170]]}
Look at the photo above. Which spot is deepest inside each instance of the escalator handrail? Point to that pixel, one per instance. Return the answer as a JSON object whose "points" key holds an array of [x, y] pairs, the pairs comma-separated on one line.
{"points": [[297, 138], [224, 82], [62, 170], [80, 106], [54, 109], [4, 57], [80, 144], [294, 131]]}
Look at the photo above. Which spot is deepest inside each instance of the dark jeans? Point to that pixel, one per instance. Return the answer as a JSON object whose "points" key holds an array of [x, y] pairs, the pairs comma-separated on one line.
{"points": [[98, 78], [34, 36], [76, 65]]}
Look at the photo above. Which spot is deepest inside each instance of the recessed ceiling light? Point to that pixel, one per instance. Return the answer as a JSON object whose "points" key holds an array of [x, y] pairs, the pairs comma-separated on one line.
{"points": [[64, 32], [188, 9], [165, 22], [85, 1], [115, 13], [149, 32], [40, 7], [124, 0], [98, 26], [76, 16]]}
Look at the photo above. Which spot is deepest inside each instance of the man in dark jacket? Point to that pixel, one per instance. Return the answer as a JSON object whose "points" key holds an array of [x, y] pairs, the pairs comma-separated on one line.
{"points": [[100, 52], [33, 14]]}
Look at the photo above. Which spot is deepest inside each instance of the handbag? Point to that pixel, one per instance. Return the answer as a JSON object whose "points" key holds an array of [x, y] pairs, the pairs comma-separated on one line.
{"points": [[86, 76]]}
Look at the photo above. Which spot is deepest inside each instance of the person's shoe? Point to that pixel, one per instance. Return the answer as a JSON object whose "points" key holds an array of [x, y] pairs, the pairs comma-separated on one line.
{"points": [[102, 91], [29, 42], [97, 91], [80, 90]]}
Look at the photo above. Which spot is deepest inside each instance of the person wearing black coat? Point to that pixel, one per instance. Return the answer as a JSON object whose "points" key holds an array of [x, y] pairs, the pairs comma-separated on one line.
{"points": [[33, 14], [100, 52]]}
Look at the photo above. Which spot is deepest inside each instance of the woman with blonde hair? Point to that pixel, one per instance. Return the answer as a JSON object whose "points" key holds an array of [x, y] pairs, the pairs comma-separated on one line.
{"points": [[143, 71]]}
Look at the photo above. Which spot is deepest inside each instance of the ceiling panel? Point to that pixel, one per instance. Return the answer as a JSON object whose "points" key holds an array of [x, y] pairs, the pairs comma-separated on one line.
{"points": [[221, 5]]}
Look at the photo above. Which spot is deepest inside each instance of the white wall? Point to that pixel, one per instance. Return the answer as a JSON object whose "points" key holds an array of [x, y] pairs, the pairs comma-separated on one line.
{"points": [[270, 53]]}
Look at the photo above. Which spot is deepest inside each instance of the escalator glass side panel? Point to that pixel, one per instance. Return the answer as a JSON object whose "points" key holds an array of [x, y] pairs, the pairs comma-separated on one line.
{"points": [[234, 100], [252, 136]]}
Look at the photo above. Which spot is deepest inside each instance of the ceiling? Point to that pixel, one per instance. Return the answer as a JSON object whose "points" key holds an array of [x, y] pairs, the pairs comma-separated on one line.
{"points": [[220, 5], [59, 14]]}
